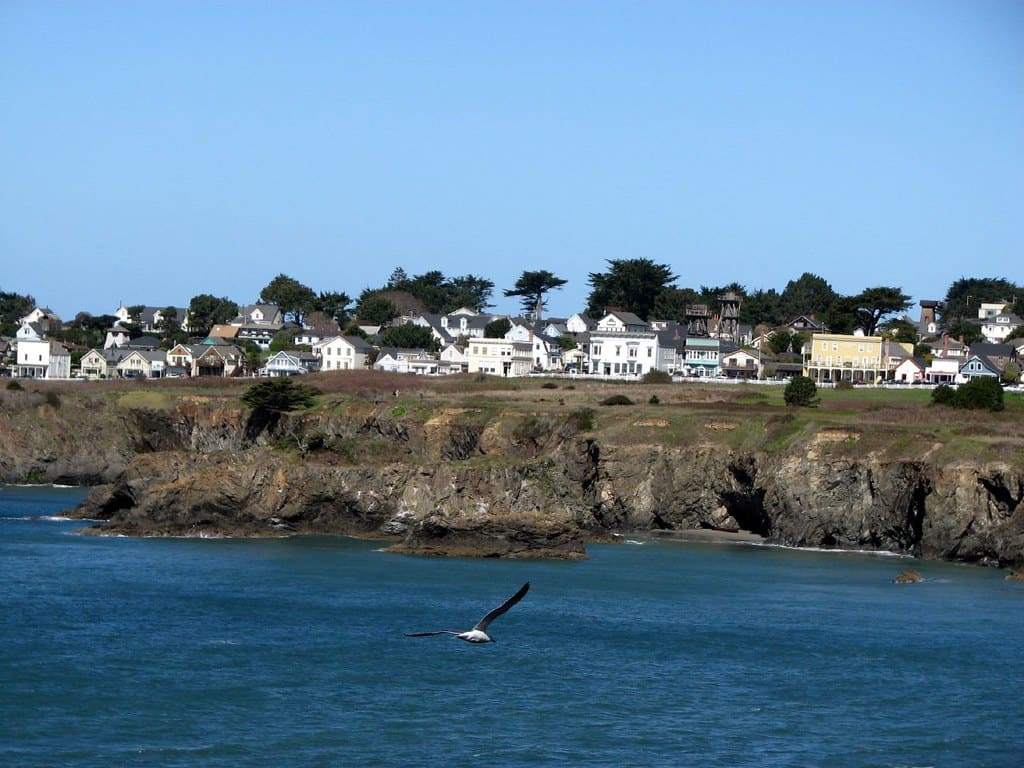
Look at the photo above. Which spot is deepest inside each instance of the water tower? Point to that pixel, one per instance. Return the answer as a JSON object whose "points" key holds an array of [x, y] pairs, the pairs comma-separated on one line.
{"points": [[729, 320], [697, 320]]}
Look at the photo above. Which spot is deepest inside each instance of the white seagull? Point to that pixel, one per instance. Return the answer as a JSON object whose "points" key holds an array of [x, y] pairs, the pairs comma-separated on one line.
{"points": [[478, 634]]}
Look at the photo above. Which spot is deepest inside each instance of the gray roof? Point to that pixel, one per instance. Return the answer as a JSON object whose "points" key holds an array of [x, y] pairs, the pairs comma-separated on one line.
{"points": [[143, 342], [672, 335], [359, 343], [627, 317], [983, 349]]}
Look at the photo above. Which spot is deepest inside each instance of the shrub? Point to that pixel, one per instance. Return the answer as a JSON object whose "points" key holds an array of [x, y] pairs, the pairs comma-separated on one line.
{"points": [[15, 386], [801, 391], [978, 394], [844, 384], [53, 399], [549, 385], [656, 377], [943, 395], [617, 400], [654, 400], [1011, 373], [279, 395], [583, 419], [530, 429]]}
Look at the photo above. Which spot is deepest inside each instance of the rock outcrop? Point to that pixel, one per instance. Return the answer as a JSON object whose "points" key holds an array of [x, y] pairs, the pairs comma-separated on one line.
{"points": [[458, 479]]}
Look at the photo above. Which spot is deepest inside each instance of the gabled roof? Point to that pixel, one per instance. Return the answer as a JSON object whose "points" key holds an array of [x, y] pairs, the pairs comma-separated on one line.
{"points": [[406, 352], [149, 355], [360, 344], [983, 349], [224, 331], [299, 356], [356, 342], [113, 355], [917, 362], [804, 322], [992, 365], [626, 318], [738, 350]]}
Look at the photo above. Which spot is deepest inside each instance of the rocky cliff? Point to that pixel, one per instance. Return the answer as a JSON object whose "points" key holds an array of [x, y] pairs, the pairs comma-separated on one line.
{"points": [[523, 474]]}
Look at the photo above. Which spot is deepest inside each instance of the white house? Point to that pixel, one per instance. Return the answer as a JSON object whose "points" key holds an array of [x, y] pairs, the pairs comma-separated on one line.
{"points": [[45, 318], [991, 309], [742, 364], [415, 361], [342, 353], [259, 314], [465, 322], [101, 363], [42, 359], [580, 322], [117, 336], [910, 370], [622, 345], [313, 334], [290, 363], [182, 357], [942, 370], [947, 347], [547, 355], [453, 359], [140, 362], [30, 331], [150, 319], [998, 327]]}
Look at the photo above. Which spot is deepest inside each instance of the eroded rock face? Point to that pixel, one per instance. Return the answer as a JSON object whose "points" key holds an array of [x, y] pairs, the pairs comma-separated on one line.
{"points": [[537, 486], [549, 506]]}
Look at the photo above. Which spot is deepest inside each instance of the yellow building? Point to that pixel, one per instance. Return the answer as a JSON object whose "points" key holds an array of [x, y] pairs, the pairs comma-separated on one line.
{"points": [[500, 357], [832, 357]]}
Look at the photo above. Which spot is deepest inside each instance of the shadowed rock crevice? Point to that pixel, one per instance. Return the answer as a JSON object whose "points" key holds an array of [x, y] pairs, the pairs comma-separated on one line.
{"points": [[747, 509], [462, 443], [745, 503], [1005, 499]]}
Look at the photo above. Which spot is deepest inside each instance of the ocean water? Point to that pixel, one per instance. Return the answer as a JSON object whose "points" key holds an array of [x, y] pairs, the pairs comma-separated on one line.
{"points": [[290, 652]]}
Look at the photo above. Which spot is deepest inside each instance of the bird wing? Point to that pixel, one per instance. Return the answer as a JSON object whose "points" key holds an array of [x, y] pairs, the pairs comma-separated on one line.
{"points": [[482, 624], [427, 634]]}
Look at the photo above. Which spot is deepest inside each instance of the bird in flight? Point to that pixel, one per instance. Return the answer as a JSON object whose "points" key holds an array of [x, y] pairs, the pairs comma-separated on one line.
{"points": [[478, 634]]}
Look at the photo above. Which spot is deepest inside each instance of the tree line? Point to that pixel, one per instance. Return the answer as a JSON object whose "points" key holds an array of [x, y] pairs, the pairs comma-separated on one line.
{"points": [[640, 286]]}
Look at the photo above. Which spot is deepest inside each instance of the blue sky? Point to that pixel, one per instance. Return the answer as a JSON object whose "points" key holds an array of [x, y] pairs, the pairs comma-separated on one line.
{"points": [[151, 151]]}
